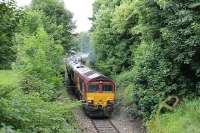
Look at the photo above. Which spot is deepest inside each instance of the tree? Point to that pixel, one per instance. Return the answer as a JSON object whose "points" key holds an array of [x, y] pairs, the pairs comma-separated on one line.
{"points": [[58, 21], [112, 36], [29, 93], [9, 17], [38, 56], [155, 41]]}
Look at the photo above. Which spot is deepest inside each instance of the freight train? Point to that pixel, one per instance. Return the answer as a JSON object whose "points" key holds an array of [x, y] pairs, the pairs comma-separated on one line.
{"points": [[96, 91]]}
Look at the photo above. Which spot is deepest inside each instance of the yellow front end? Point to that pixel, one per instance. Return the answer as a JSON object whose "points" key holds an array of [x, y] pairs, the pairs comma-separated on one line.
{"points": [[100, 99]]}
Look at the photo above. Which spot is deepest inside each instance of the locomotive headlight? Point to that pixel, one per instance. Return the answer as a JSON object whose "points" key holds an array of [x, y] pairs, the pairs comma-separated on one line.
{"points": [[90, 101]]}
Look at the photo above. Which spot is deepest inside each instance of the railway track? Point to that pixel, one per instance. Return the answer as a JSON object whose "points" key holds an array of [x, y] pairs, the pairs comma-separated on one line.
{"points": [[104, 126]]}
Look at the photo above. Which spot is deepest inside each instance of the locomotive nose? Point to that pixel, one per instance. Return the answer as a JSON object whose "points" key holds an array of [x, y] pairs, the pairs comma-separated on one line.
{"points": [[102, 99]]}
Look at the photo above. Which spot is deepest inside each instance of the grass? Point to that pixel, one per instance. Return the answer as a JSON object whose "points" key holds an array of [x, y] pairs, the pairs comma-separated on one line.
{"points": [[9, 78], [185, 119]]}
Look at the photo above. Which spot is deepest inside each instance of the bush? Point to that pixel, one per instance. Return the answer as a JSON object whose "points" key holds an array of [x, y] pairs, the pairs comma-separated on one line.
{"points": [[151, 79], [124, 91], [9, 17], [38, 57], [184, 119], [124, 87], [28, 100], [10, 78], [29, 112], [157, 41]]}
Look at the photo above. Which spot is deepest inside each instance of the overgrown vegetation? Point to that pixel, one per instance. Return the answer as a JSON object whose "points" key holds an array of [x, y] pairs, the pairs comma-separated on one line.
{"points": [[22, 112], [57, 21], [152, 46], [9, 17], [184, 119], [29, 92], [39, 57]]}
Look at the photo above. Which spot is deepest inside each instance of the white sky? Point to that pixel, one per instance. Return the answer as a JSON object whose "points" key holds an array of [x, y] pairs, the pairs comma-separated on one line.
{"points": [[81, 9]]}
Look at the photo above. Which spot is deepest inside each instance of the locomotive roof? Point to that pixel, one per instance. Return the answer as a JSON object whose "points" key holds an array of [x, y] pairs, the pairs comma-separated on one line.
{"points": [[85, 71]]}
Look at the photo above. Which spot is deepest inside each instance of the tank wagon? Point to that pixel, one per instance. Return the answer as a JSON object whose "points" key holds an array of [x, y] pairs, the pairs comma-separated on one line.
{"points": [[96, 91]]}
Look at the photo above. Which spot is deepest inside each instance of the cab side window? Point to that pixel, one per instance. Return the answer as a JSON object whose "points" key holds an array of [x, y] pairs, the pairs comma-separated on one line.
{"points": [[81, 84]]}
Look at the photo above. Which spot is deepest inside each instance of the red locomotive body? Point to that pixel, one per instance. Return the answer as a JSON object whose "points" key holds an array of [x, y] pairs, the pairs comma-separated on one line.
{"points": [[95, 90]]}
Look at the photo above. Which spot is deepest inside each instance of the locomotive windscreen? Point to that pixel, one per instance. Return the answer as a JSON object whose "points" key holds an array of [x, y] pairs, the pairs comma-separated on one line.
{"points": [[107, 88], [93, 88]]}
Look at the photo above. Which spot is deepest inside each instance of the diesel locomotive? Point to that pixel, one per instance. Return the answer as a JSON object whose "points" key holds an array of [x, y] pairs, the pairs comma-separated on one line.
{"points": [[96, 91]]}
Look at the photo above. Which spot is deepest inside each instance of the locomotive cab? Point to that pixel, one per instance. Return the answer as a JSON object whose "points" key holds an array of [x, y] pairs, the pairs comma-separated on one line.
{"points": [[100, 96]]}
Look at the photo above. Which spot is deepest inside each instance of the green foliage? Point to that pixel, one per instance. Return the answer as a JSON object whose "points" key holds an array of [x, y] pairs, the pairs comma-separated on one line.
{"points": [[29, 93], [28, 113], [184, 119], [9, 81], [124, 79], [57, 21], [38, 57], [124, 90], [112, 36], [151, 71], [10, 78], [156, 42], [161, 72], [27, 102], [9, 16]]}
